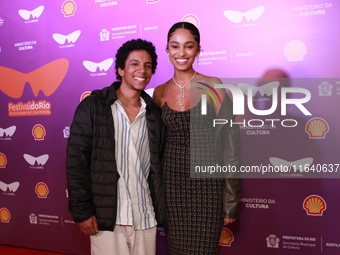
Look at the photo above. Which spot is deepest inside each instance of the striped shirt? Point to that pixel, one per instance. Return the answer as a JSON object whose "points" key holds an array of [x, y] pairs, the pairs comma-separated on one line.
{"points": [[134, 206]]}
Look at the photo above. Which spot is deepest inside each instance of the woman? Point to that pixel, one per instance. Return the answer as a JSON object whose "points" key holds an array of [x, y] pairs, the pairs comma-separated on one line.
{"points": [[197, 207]]}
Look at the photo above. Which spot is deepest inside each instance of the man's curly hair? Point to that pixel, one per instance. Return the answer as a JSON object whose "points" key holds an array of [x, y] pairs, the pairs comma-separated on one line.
{"points": [[132, 45]]}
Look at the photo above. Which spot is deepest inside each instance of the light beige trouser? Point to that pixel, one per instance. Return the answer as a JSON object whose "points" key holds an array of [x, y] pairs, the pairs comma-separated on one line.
{"points": [[124, 240]]}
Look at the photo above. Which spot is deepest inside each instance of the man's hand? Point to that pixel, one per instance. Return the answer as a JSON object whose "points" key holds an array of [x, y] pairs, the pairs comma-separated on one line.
{"points": [[89, 226]]}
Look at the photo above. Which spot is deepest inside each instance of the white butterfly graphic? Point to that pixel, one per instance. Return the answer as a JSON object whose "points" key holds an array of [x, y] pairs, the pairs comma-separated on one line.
{"points": [[8, 131], [71, 38], [104, 65], [236, 17], [266, 89], [152, 1], [41, 160], [293, 164], [12, 187], [35, 13]]}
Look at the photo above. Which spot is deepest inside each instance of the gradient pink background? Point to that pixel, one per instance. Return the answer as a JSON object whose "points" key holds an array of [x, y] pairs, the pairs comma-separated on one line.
{"points": [[230, 50]]}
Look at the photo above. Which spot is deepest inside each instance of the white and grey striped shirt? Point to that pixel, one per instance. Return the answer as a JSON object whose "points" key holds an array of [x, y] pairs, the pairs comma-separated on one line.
{"points": [[134, 206]]}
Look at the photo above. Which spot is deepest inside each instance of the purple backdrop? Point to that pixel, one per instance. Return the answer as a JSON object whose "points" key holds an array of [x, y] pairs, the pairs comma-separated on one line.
{"points": [[53, 52]]}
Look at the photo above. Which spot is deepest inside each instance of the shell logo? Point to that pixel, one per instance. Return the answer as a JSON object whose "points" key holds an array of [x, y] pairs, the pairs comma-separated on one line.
{"points": [[68, 8], [317, 128], [84, 95], [314, 205], [226, 237], [295, 50], [5, 215], [38, 132], [41, 190], [191, 18], [3, 160]]}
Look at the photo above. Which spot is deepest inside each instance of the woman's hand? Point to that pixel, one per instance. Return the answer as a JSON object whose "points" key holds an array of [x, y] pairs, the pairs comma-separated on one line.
{"points": [[228, 221]]}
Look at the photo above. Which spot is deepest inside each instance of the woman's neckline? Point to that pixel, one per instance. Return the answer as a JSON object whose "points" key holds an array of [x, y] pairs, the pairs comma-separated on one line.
{"points": [[165, 103]]}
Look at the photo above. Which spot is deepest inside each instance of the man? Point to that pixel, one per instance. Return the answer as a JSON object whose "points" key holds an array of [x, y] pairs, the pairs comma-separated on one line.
{"points": [[113, 161]]}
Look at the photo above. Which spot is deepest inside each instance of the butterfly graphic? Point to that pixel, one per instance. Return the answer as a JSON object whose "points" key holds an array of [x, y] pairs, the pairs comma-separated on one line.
{"points": [[46, 78], [236, 17], [12, 187], [41, 160], [293, 164], [71, 38], [35, 13], [104, 65], [266, 89], [152, 1], [7, 131]]}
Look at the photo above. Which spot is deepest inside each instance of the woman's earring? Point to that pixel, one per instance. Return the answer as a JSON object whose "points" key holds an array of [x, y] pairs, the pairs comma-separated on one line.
{"points": [[198, 59], [168, 58]]}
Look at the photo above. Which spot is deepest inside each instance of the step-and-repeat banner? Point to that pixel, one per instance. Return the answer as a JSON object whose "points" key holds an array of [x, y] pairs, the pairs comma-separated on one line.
{"points": [[53, 53]]}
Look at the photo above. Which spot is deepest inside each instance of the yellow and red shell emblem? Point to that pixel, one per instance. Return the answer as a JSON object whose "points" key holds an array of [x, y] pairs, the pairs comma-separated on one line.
{"points": [[41, 190], [295, 50], [68, 8], [226, 237], [317, 128], [38, 132], [5, 215], [84, 95], [191, 18], [3, 160], [314, 205]]}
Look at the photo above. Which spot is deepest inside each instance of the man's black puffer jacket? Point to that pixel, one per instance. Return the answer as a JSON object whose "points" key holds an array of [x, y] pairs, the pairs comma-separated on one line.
{"points": [[91, 166]]}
